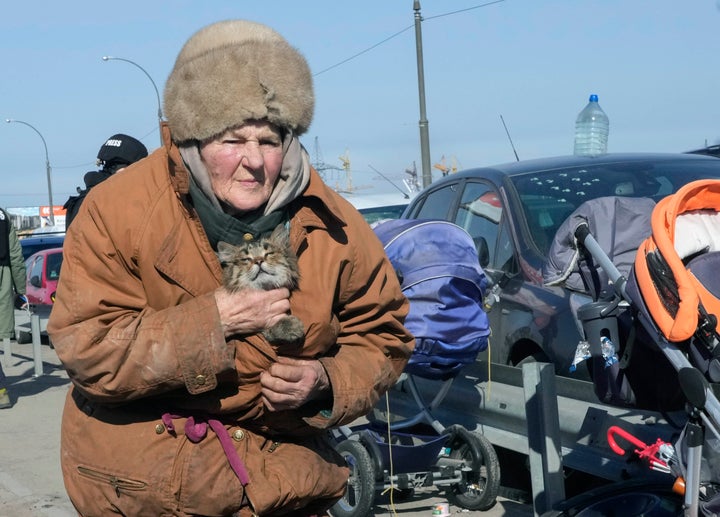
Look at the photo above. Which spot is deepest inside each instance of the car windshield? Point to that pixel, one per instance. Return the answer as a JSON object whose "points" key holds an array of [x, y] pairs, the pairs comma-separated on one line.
{"points": [[549, 196]]}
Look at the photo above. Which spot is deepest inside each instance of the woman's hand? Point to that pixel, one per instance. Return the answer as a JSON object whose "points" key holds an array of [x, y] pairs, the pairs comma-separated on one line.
{"points": [[289, 383], [250, 311]]}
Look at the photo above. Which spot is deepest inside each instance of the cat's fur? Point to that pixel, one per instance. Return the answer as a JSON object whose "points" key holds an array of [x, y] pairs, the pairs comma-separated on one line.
{"points": [[266, 263]]}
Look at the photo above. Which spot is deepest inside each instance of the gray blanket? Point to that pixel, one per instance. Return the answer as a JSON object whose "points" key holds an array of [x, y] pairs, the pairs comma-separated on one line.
{"points": [[618, 224]]}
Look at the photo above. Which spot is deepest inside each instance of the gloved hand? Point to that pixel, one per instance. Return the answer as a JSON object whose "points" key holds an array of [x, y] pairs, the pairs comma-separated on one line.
{"points": [[21, 301]]}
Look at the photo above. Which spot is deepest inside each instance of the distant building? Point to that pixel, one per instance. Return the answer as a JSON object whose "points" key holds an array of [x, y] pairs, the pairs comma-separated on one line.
{"points": [[28, 219]]}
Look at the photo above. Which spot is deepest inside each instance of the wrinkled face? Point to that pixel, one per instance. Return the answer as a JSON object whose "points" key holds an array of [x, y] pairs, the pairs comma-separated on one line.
{"points": [[243, 164]]}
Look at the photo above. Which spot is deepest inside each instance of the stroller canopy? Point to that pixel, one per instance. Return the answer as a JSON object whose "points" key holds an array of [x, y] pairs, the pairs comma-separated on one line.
{"points": [[439, 272], [618, 224], [676, 267]]}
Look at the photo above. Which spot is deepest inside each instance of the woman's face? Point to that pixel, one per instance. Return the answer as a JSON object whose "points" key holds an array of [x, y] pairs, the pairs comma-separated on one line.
{"points": [[243, 164]]}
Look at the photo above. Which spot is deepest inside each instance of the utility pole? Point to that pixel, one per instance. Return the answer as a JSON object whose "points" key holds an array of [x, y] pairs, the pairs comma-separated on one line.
{"points": [[48, 169], [157, 93], [424, 135]]}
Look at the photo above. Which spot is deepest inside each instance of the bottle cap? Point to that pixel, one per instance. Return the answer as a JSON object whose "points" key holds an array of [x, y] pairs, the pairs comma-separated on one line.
{"points": [[593, 97]]}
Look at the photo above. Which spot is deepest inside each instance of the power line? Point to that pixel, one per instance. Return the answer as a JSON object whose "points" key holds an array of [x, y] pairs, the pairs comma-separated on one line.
{"points": [[400, 32], [364, 51], [463, 10]]}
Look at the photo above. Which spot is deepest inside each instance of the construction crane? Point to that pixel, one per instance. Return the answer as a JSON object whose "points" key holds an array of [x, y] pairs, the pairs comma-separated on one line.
{"points": [[345, 159], [445, 169], [411, 183], [319, 165]]}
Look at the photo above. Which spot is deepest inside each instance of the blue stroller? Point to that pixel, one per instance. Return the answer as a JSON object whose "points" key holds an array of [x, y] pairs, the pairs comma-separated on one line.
{"points": [[439, 271]]}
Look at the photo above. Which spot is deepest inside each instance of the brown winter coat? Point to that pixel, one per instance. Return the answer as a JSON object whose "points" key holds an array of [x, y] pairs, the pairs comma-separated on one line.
{"points": [[136, 326]]}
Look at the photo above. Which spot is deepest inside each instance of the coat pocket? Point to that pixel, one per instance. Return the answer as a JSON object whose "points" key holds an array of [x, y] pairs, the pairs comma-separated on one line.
{"points": [[277, 484]]}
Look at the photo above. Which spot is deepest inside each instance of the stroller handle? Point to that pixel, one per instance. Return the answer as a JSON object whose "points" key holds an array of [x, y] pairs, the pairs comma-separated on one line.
{"points": [[586, 240]]}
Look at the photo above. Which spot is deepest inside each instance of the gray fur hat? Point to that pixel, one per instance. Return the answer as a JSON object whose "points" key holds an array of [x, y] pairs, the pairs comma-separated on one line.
{"points": [[234, 71]]}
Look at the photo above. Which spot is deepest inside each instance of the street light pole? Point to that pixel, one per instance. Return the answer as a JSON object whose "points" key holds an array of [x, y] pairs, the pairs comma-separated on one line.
{"points": [[424, 136], [47, 167], [157, 93]]}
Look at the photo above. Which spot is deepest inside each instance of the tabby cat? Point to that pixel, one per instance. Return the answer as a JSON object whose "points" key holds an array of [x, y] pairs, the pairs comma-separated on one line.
{"points": [[266, 263]]}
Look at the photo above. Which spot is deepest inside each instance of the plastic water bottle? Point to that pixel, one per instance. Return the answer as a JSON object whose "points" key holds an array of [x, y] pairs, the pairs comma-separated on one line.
{"points": [[607, 348], [591, 129]]}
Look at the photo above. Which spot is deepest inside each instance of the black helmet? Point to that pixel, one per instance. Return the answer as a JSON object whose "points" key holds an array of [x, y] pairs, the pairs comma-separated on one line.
{"points": [[121, 150]]}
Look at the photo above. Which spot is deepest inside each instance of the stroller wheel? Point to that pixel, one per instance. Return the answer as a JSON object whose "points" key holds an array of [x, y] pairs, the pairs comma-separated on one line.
{"points": [[631, 498], [360, 492], [481, 481]]}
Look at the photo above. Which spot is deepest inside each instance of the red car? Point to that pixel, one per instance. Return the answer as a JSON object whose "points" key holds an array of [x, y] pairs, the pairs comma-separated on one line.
{"points": [[43, 272]]}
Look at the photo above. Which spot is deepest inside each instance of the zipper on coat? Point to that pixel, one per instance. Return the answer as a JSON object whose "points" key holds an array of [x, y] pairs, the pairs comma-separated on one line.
{"points": [[119, 484]]}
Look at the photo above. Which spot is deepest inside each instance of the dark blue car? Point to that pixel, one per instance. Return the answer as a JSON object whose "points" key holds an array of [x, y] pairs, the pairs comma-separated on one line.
{"points": [[35, 243], [512, 212]]}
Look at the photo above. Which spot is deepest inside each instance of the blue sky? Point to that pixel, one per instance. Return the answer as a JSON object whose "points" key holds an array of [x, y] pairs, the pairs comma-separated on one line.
{"points": [[653, 64]]}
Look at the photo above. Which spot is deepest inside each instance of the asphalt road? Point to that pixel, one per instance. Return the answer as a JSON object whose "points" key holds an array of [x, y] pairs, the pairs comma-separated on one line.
{"points": [[30, 479]]}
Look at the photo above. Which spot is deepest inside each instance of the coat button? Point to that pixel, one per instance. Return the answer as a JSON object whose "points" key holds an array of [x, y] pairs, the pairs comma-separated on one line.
{"points": [[238, 434], [200, 380], [159, 429], [248, 237]]}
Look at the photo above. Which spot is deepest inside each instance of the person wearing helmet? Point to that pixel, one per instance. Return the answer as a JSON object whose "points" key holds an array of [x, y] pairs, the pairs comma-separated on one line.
{"points": [[116, 153], [179, 404]]}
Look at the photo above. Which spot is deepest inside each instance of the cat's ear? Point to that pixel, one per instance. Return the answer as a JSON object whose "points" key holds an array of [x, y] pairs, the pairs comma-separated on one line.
{"points": [[225, 252]]}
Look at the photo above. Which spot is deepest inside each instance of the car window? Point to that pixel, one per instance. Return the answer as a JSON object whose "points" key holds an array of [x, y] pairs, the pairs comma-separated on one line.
{"points": [[480, 213], [54, 261], [505, 251], [37, 268], [436, 204]]}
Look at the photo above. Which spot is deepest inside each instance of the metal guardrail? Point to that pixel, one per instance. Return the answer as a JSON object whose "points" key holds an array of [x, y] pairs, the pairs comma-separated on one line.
{"points": [[556, 421], [33, 320]]}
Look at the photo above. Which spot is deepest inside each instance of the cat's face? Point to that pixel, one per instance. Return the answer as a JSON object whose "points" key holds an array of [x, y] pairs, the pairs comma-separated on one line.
{"points": [[266, 263]]}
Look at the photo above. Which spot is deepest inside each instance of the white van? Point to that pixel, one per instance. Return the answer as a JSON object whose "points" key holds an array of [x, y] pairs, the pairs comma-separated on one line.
{"points": [[377, 207]]}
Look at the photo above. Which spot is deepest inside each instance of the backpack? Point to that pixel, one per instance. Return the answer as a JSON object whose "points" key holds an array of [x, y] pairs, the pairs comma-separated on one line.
{"points": [[4, 238], [72, 205], [440, 274]]}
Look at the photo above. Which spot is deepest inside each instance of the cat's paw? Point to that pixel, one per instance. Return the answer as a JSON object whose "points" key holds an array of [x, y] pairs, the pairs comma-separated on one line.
{"points": [[288, 331]]}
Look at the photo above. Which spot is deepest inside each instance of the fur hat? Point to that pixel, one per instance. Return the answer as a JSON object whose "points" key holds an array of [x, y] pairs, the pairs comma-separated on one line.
{"points": [[234, 71]]}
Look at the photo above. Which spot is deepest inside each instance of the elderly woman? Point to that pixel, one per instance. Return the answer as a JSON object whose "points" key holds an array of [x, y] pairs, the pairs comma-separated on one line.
{"points": [[179, 405]]}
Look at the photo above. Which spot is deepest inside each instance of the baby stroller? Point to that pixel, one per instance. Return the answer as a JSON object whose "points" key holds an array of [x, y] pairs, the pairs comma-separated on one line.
{"points": [[651, 337], [439, 271]]}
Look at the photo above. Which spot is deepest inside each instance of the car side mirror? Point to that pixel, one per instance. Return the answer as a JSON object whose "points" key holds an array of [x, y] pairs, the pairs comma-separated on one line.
{"points": [[483, 251], [35, 281]]}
